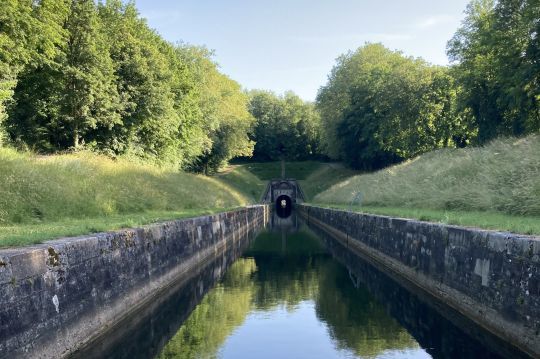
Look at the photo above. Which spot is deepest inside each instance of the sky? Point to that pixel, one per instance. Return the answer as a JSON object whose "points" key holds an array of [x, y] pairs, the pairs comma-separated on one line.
{"points": [[283, 45]]}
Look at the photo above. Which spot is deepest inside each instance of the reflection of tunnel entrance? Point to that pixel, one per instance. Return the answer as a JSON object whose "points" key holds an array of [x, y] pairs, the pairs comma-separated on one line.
{"points": [[283, 206]]}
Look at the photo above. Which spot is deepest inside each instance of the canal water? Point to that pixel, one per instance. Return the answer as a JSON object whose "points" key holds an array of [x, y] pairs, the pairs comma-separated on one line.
{"points": [[294, 292]]}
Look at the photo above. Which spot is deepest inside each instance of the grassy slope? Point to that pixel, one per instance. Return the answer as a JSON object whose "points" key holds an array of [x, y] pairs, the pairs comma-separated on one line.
{"points": [[251, 178], [324, 177], [44, 197], [47, 197], [242, 180], [314, 177], [494, 187]]}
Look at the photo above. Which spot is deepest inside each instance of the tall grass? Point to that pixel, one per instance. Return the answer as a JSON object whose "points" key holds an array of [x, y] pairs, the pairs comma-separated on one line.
{"points": [[314, 177], [324, 177], [503, 176], [245, 182], [38, 189]]}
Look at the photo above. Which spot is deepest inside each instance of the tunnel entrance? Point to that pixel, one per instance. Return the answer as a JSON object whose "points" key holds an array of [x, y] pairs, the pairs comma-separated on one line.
{"points": [[283, 206]]}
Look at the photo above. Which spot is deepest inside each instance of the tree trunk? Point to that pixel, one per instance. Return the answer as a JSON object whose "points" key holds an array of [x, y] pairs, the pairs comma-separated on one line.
{"points": [[76, 138]]}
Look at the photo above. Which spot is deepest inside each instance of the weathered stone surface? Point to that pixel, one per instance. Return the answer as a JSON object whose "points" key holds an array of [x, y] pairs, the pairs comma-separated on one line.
{"points": [[56, 296], [283, 187], [493, 277]]}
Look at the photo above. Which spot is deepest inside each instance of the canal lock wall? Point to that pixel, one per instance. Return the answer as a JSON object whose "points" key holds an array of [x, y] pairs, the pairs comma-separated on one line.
{"points": [[57, 296], [492, 278]]}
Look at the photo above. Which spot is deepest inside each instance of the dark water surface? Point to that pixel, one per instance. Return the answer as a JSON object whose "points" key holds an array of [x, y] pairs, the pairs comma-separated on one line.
{"points": [[294, 292]]}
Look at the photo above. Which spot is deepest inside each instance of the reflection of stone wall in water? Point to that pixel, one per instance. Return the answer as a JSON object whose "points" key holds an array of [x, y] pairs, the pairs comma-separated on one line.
{"points": [[442, 331], [492, 277], [55, 296], [142, 336]]}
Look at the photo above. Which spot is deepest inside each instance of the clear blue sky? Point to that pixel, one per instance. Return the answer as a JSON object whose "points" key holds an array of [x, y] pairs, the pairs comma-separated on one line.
{"points": [[292, 44]]}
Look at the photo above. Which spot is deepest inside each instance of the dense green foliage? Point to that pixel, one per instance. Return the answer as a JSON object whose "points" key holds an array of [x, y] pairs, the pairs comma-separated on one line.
{"points": [[503, 176], [285, 127], [224, 109], [496, 53], [380, 107], [76, 74]]}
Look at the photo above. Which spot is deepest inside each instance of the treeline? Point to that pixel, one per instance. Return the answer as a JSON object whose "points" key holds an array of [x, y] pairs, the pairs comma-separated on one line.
{"points": [[380, 107], [76, 74], [286, 127]]}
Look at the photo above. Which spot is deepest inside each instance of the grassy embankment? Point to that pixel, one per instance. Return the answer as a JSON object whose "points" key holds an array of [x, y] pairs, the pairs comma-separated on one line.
{"points": [[493, 187], [314, 177], [43, 197]]}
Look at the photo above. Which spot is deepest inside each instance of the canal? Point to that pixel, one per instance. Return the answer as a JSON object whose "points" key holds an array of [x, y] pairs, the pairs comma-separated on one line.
{"points": [[294, 292]]}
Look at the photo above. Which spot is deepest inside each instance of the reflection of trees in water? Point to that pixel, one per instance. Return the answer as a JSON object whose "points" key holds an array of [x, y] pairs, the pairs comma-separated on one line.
{"points": [[222, 310], [286, 269], [355, 320], [273, 275]]}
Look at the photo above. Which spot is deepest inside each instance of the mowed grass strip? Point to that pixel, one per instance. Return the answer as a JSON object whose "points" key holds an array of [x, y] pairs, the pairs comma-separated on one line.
{"points": [[473, 219], [28, 234], [265, 171]]}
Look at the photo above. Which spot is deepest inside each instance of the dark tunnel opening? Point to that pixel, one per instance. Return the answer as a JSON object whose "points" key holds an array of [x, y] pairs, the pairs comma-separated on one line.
{"points": [[284, 206]]}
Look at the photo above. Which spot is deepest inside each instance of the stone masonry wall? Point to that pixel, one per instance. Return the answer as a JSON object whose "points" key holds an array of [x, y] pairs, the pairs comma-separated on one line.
{"points": [[56, 296], [491, 277]]}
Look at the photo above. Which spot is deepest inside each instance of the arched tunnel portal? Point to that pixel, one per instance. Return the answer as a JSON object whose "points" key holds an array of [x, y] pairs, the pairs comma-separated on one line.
{"points": [[283, 194], [284, 206]]}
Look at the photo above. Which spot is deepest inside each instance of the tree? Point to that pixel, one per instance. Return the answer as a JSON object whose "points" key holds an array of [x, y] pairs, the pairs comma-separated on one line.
{"points": [[89, 98], [380, 107], [224, 108], [496, 64], [16, 20], [30, 32], [161, 121], [286, 126], [63, 97]]}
